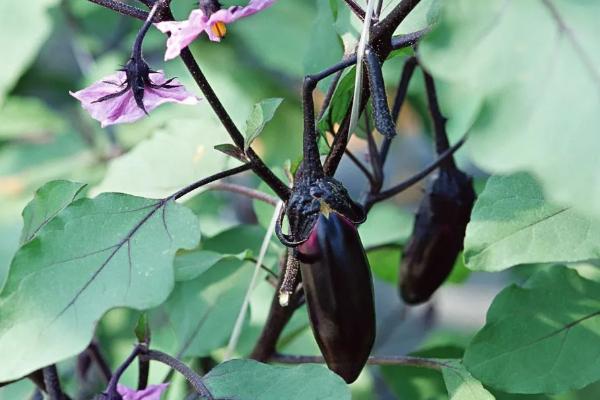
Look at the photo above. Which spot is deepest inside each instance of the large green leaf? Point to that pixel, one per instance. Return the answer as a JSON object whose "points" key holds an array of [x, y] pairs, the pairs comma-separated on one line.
{"points": [[461, 385], [535, 67], [540, 338], [112, 251], [24, 26], [48, 201], [513, 224], [200, 314], [251, 380]]}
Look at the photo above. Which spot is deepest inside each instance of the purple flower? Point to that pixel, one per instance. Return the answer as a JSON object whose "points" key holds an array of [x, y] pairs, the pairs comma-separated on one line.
{"points": [[152, 392], [209, 18], [130, 93]]}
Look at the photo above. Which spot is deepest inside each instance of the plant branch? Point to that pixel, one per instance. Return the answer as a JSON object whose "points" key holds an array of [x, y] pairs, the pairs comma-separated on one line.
{"points": [[356, 9], [277, 319], [52, 383], [122, 8], [439, 121], [386, 194], [193, 378], [373, 360], [210, 179], [94, 351], [244, 191]]}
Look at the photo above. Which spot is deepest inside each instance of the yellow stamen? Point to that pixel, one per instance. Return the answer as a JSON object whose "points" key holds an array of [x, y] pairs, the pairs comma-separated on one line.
{"points": [[219, 29], [325, 209]]}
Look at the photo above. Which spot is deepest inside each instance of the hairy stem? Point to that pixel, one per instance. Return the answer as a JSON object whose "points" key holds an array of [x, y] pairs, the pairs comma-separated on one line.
{"points": [[439, 121], [193, 378], [210, 179], [52, 383], [122, 8], [244, 191]]}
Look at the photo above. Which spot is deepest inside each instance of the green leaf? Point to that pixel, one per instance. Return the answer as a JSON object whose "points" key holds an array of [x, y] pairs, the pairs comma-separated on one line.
{"points": [[112, 251], [24, 27], [516, 57], [540, 338], [232, 151], [513, 224], [47, 202], [200, 314], [25, 116], [461, 385], [261, 114], [191, 264], [251, 380]]}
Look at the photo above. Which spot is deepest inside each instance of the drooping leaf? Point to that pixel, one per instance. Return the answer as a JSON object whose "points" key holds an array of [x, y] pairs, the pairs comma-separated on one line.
{"points": [[512, 223], [535, 335], [529, 119], [200, 314], [112, 251], [23, 29], [48, 201], [251, 380], [261, 114], [461, 385]]}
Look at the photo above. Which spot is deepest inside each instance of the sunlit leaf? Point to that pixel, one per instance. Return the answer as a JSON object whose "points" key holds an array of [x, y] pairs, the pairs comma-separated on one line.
{"points": [[512, 223], [112, 251]]}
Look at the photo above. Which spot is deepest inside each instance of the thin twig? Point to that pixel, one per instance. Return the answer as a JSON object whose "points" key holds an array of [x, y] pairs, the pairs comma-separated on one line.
{"points": [[210, 179], [193, 378], [373, 360], [52, 383], [356, 9], [386, 194], [94, 351], [122, 8], [244, 191]]}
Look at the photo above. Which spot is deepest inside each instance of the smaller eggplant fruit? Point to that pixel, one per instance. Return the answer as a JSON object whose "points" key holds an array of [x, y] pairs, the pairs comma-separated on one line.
{"points": [[438, 235], [339, 293]]}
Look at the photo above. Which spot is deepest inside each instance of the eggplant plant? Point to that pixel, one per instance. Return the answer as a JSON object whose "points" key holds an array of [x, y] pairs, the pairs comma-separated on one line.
{"points": [[208, 259]]}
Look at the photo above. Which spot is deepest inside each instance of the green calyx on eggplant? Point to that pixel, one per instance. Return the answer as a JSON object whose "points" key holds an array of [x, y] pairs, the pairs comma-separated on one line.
{"points": [[339, 293], [438, 235]]}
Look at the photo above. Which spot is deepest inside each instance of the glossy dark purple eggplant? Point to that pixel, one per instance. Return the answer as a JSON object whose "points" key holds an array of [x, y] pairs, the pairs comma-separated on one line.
{"points": [[339, 294], [438, 235]]}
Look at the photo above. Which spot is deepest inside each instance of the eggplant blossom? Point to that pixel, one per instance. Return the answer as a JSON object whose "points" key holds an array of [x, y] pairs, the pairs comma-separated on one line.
{"points": [[211, 18], [133, 91], [152, 392]]}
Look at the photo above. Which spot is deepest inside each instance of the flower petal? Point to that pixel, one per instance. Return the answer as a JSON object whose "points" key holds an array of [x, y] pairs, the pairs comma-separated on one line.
{"points": [[233, 14], [122, 108], [152, 392], [182, 33]]}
